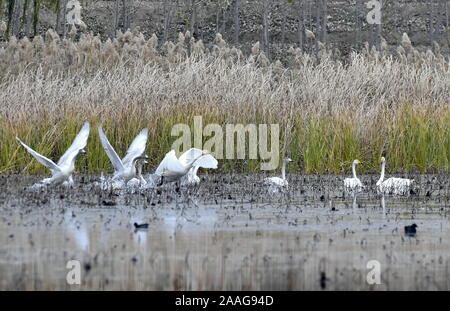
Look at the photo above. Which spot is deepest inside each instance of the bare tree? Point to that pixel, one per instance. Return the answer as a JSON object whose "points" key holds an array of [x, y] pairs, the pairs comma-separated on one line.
{"points": [[36, 9], [318, 20], [236, 21], [431, 19], [324, 20], [169, 8], [124, 14], [301, 22], [359, 13], [9, 25], [58, 15], [16, 19], [265, 26], [1, 7], [379, 28], [28, 17], [283, 9]]}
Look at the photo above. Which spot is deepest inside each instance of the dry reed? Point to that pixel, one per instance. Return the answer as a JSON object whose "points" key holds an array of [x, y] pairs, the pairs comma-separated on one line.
{"points": [[330, 110]]}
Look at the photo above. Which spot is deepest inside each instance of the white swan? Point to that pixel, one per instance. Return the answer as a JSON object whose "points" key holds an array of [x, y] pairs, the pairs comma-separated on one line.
{"points": [[191, 177], [62, 171], [392, 185], [277, 181], [205, 161], [353, 184], [139, 180], [172, 168], [125, 169]]}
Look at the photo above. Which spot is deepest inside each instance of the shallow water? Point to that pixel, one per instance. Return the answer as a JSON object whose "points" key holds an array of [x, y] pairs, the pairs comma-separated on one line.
{"points": [[227, 234]]}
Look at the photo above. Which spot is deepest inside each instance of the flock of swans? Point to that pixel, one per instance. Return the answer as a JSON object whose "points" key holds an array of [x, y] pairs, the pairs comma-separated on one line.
{"points": [[393, 185], [128, 170]]}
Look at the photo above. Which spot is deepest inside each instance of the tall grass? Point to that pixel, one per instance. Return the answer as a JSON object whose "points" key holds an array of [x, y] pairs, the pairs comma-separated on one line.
{"points": [[330, 110]]}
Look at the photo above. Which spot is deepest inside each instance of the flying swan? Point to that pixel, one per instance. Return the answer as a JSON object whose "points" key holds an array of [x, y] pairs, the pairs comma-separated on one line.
{"points": [[125, 169], [392, 185], [353, 184], [62, 171], [205, 161], [172, 168]]}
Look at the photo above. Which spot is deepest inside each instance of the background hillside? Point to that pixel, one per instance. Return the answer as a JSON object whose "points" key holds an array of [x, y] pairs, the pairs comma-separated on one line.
{"points": [[277, 24]]}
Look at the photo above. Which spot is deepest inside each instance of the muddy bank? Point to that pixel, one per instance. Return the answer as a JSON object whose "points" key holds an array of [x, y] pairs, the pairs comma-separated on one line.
{"points": [[226, 234]]}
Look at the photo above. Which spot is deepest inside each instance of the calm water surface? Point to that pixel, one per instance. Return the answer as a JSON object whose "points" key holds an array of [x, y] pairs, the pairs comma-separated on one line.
{"points": [[229, 233]]}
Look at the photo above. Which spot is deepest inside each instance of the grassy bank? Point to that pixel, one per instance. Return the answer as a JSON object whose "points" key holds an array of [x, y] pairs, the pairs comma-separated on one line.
{"points": [[330, 111]]}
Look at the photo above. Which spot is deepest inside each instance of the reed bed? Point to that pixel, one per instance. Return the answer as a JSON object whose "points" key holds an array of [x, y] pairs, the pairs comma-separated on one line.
{"points": [[330, 109]]}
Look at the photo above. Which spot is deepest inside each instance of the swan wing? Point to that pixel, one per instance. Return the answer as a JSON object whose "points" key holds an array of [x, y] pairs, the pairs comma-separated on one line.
{"points": [[397, 182], [190, 155], [170, 163], [206, 161], [396, 185], [79, 143], [112, 155], [41, 159], [352, 183], [137, 147]]}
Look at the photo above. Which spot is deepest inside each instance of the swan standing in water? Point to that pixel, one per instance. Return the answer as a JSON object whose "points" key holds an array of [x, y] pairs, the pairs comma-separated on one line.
{"points": [[172, 168], [62, 171], [353, 184], [125, 169], [392, 185], [277, 181]]}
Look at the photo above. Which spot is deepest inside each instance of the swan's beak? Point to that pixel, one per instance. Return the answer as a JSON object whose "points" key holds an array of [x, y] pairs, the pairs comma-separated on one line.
{"points": [[382, 159]]}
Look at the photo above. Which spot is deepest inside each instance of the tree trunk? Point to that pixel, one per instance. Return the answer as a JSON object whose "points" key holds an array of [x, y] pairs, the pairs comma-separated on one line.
{"points": [[124, 14], [168, 7], [1, 8], [236, 21], [24, 14], [301, 23], [64, 12], [16, 19], [359, 23], [28, 19], [324, 20], [36, 9], [10, 23], [193, 17], [447, 28], [318, 21], [223, 26], [58, 16], [379, 28], [431, 19], [116, 17], [217, 17], [265, 30]]}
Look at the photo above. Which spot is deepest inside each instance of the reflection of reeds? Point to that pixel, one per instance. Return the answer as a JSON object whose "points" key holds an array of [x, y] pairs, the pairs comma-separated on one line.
{"points": [[329, 113]]}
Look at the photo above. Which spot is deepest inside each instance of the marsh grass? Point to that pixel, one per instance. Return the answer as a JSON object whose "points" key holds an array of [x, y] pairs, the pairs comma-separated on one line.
{"points": [[330, 110]]}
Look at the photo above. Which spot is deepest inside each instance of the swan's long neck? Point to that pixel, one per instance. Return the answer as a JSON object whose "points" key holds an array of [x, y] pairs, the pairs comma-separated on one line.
{"points": [[283, 171], [195, 170], [139, 169], [354, 170], [383, 165]]}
